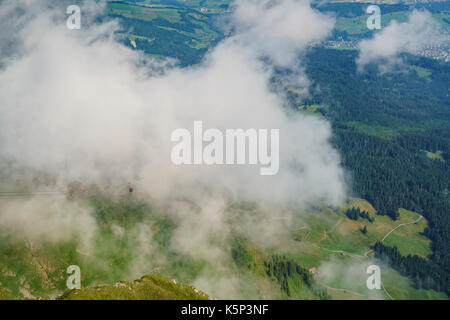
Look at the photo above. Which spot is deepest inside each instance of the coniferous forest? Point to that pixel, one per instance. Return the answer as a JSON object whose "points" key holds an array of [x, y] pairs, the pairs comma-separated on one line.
{"points": [[385, 127]]}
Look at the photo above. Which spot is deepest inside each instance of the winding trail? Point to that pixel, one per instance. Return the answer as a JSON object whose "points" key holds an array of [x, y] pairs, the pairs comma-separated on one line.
{"points": [[384, 238], [353, 255], [385, 291], [365, 256], [400, 225], [387, 234]]}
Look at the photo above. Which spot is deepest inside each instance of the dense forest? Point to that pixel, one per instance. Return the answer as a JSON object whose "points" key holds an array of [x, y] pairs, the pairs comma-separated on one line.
{"points": [[355, 213], [282, 270], [425, 274], [384, 125]]}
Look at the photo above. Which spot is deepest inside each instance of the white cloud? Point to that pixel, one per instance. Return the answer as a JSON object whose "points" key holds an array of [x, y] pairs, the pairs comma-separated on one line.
{"points": [[70, 102], [48, 219], [80, 105], [279, 29], [419, 31]]}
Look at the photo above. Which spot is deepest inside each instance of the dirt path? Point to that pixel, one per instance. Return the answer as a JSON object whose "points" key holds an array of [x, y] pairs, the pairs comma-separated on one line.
{"points": [[384, 238], [400, 225], [386, 291], [353, 255], [387, 234], [364, 256], [336, 224]]}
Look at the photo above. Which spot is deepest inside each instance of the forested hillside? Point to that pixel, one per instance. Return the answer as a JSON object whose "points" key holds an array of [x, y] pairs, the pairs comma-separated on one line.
{"points": [[393, 133]]}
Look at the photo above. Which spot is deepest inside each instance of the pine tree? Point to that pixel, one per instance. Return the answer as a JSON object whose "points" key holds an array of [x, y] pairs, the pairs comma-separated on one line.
{"points": [[364, 230]]}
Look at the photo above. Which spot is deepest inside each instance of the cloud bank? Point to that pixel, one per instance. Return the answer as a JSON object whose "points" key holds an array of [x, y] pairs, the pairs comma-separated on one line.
{"points": [[79, 105], [419, 31]]}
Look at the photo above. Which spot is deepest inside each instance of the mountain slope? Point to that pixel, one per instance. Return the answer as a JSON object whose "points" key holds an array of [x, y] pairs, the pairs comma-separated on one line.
{"points": [[5, 295], [149, 287]]}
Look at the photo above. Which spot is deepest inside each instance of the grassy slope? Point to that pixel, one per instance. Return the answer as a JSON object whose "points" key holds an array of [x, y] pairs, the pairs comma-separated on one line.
{"points": [[252, 266], [409, 239], [332, 230], [329, 235], [39, 271], [146, 288], [5, 295]]}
